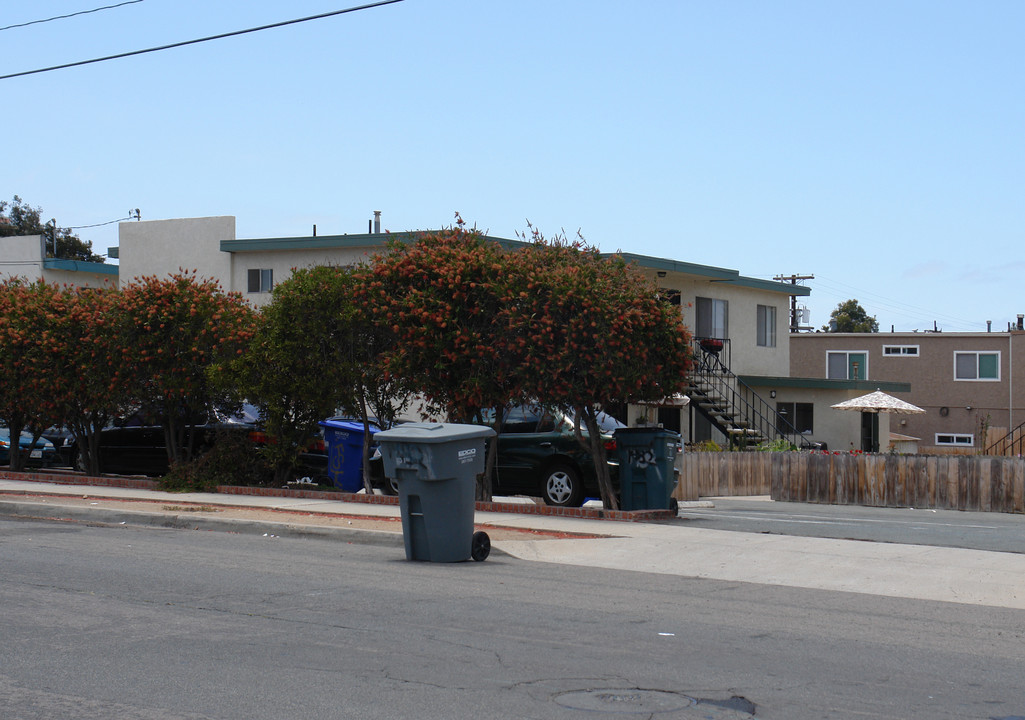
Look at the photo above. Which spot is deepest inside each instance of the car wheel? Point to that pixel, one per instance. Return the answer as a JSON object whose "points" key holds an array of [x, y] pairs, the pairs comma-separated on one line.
{"points": [[562, 487]]}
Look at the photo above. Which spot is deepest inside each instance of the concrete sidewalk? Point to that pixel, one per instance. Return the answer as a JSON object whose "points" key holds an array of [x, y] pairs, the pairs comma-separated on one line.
{"points": [[908, 571]]}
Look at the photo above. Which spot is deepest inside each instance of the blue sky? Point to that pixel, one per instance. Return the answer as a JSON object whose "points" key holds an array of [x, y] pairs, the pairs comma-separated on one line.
{"points": [[879, 146]]}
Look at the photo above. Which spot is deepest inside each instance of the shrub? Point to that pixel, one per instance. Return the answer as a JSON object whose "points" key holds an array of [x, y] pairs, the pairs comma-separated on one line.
{"points": [[233, 460]]}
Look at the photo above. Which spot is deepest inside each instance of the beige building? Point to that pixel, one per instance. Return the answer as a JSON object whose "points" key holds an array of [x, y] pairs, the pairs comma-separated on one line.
{"points": [[734, 400], [24, 256], [969, 384]]}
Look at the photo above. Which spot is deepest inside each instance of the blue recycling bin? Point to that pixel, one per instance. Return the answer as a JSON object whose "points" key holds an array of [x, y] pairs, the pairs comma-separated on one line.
{"points": [[345, 453]]}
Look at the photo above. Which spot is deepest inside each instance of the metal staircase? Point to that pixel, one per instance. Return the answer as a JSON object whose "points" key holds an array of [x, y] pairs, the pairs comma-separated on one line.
{"points": [[1013, 443], [731, 405]]}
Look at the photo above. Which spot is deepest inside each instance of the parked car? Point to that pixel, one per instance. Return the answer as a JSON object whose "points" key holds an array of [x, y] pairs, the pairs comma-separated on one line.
{"points": [[63, 441], [540, 456], [41, 453], [133, 448]]}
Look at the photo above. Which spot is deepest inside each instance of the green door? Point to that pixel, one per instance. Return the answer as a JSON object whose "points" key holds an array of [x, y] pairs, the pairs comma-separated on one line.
{"points": [[857, 366]]}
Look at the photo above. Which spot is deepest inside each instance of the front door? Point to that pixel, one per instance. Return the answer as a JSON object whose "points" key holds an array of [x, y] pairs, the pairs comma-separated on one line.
{"points": [[870, 432]]}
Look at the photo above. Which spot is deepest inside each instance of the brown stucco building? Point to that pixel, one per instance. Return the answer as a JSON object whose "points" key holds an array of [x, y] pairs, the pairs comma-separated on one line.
{"points": [[971, 385]]}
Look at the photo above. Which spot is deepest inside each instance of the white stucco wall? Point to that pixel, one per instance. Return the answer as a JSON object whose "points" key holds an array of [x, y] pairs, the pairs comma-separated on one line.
{"points": [[283, 262], [747, 357], [164, 247], [22, 256], [839, 429]]}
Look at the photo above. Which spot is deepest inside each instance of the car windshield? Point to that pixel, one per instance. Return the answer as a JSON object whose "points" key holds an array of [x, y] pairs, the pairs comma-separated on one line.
{"points": [[608, 424], [532, 418]]}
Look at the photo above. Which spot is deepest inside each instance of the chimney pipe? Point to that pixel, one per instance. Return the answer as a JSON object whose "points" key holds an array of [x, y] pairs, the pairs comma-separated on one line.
{"points": [[989, 326], [377, 221], [314, 229], [1021, 321]]}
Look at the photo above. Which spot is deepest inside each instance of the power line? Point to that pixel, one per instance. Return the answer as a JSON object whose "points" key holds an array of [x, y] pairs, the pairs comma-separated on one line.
{"points": [[70, 15], [132, 215], [201, 40]]}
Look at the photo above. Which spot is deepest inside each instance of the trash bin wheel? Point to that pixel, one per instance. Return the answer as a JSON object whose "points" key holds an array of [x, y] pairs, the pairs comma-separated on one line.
{"points": [[674, 505], [481, 547]]}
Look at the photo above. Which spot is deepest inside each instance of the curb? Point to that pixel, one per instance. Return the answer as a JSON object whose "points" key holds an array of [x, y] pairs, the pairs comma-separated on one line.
{"points": [[115, 518]]}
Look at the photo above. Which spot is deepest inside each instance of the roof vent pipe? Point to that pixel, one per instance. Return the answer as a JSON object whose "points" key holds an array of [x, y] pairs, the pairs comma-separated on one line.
{"points": [[989, 326], [1021, 321], [377, 221]]}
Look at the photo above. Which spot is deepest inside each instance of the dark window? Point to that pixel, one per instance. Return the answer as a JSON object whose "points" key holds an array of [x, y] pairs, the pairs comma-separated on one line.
{"points": [[800, 415], [260, 281], [712, 319]]}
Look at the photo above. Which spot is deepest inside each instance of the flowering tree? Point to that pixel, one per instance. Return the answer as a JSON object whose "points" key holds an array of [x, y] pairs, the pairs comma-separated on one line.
{"points": [[590, 331], [25, 401], [80, 364], [313, 352], [439, 300], [171, 331]]}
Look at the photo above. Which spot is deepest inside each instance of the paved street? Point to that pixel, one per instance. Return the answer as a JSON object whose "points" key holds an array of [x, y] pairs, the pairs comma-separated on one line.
{"points": [[1000, 532], [162, 624]]}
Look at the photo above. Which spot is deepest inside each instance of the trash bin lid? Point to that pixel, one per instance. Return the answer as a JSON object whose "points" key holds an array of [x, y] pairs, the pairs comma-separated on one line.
{"points": [[350, 425], [433, 433]]}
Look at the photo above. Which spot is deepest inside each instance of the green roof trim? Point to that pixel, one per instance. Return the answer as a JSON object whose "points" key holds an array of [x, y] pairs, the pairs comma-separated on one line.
{"points": [[380, 240], [824, 384], [80, 266], [331, 242], [715, 274]]}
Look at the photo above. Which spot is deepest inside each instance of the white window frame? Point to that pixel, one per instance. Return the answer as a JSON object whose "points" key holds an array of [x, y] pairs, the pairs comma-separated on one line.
{"points": [[976, 353], [848, 353], [765, 320], [901, 350], [955, 439], [265, 281]]}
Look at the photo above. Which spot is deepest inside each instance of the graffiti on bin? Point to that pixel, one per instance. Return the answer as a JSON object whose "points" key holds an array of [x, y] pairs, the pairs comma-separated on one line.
{"points": [[642, 458]]}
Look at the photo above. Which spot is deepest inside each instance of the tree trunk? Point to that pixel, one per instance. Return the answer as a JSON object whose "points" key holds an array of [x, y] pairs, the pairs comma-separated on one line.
{"points": [[368, 484], [596, 446], [16, 458], [486, 486]]}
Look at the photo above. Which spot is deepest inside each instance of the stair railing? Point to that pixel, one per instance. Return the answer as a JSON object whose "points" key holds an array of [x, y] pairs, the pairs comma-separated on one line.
{"points": [[1013, 443], [754, 419]]}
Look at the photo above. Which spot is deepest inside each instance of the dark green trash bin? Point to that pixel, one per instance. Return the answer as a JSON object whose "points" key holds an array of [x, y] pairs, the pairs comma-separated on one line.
{"points": [[647, 474], [435, 466]]}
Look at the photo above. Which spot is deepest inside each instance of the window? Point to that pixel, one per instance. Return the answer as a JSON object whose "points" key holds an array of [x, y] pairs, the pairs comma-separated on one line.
{"points": [[960, 440], [800, 415], [261, 281], [766, 326], [712, 318], [846, 365], [977, 366], [900, 350]]}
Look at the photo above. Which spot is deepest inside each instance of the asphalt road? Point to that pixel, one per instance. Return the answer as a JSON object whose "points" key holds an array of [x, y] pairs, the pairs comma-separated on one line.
{"points": [[153, 624], [999, 532]]}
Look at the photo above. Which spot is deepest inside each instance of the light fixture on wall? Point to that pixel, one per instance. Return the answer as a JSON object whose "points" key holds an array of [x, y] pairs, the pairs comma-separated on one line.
{"points": [[772, 394], [661, 273]]}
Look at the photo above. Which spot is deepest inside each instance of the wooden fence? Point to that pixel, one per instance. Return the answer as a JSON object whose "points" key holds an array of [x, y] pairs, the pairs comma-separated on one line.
{"points": [[976, 482]]}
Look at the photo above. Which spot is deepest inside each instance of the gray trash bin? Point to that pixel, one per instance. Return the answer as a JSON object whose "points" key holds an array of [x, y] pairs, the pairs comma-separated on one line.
{"points": [[436, 467]]}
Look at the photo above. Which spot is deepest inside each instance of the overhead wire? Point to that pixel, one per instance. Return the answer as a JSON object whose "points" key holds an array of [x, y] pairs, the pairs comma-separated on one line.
{"points": [[69, 15], [895, 307], [220, 36]]}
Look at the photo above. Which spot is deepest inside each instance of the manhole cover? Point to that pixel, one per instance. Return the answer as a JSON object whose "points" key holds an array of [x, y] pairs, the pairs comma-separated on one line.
{"points": [[624, 700]]}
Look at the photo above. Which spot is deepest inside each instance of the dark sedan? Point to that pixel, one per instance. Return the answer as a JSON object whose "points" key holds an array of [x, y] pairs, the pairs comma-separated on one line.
{"points": [[540, 456]]}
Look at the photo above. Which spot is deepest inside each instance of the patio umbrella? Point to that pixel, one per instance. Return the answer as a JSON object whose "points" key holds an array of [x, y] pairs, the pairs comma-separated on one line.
{"points": [[879, 402]]}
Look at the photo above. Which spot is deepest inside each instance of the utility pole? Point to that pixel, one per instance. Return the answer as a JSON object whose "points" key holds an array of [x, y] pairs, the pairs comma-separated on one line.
{"points": [[795, 324]]}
